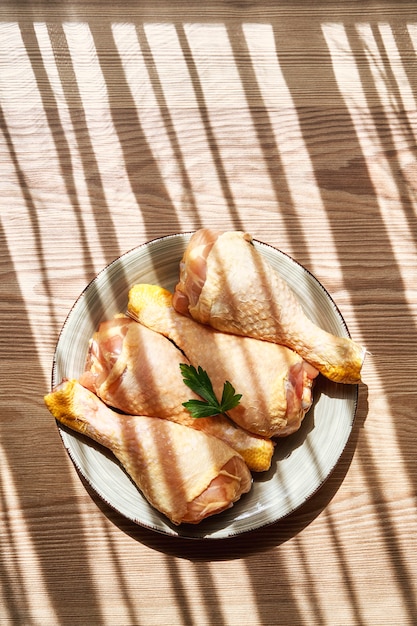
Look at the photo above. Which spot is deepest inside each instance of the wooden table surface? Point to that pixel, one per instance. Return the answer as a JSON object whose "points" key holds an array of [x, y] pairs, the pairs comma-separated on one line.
{"points": [[122, 122]]}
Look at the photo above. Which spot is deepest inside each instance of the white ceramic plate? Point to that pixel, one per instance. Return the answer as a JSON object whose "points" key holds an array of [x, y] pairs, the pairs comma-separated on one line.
{"points": [[301, 462]]}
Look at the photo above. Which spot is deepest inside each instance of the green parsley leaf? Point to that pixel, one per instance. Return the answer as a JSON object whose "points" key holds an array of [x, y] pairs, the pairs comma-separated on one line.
{"points": [[199, 382]]}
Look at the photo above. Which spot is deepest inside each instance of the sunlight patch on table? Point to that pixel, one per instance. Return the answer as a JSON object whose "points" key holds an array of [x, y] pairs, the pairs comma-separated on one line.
{"points": [[76, 179], [381, 169], [234, 610], [94, 95], [412, 31], [293, 151], [101, 555], [381, 406], [301, 569], [167, 128], [394, 90], [29, 112], [18, 549], [222, 97]]}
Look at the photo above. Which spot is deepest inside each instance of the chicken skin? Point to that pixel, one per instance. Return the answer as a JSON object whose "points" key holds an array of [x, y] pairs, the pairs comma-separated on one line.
{"points": [[274, 381], [226, 283], [137, 370], [185, 474]]}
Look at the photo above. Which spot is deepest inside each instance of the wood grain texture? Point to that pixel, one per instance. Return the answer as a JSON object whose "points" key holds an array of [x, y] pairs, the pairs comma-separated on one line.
{"points": [[121, 122]]}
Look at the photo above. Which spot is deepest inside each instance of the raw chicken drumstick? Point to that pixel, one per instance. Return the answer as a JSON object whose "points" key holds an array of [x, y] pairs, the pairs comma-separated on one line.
{"points": [[185, 474], [137, 371], [226, 283], [274, 381]]}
